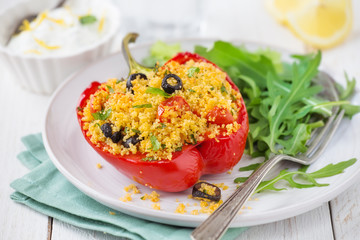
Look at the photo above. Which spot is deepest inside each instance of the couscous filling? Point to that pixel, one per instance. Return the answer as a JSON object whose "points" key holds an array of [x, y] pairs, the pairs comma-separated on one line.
{"points": [[146, 119]]}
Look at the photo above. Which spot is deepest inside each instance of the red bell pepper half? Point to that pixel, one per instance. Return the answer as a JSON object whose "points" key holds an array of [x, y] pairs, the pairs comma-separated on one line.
{"points": [[216, 155]]}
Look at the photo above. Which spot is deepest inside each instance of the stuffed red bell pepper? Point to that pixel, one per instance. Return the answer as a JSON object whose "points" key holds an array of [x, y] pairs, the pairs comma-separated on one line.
{"points": [[168, 127]]}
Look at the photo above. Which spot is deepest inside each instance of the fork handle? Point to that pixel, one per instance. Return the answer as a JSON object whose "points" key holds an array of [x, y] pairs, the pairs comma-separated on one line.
{"points": [[218, 222]]}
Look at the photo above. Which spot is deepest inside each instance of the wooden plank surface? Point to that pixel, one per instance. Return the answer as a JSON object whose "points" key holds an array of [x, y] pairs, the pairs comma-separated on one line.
{"points": [[345, 211], [299, 227], [21, 116]]}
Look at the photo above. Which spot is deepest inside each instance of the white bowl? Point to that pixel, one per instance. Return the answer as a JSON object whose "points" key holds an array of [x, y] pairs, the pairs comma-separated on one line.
{"points": [[42, 74]]}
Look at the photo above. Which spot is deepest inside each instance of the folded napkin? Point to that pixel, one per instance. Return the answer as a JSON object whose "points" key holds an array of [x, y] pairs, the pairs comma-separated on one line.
{"points": [[46, 190]]}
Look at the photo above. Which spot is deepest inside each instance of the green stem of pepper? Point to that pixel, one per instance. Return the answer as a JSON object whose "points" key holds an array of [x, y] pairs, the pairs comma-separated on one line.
{"points": [[134, 66]]}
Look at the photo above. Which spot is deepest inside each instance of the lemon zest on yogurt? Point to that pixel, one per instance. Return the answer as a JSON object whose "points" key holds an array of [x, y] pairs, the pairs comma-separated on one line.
{"points": [[33, 51], [42, 16], [57, 21], [44, 45], [25, 26], [101, 23]]}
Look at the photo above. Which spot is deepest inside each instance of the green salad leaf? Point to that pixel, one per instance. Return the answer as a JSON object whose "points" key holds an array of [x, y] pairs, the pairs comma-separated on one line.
{"points": [[161, 52]]}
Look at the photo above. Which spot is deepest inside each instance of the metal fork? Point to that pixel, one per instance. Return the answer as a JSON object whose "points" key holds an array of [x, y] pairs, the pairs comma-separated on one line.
{"points": [[218, 222]]}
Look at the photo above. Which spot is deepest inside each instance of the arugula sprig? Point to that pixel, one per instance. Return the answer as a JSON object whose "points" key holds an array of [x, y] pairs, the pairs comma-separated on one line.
{"points": [[293, 177], [281, 98]]}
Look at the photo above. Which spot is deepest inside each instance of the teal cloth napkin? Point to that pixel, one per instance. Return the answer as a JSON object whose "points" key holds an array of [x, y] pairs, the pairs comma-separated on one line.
{"points": [[46, 190]]}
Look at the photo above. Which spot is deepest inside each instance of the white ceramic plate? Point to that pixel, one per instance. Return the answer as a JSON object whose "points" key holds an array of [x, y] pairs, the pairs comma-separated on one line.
{"points": [[77, 161]]}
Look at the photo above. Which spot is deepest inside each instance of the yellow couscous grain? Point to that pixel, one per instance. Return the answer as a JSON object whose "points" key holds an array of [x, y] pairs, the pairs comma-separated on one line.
{"points": [[126, 198], [153, 196], [206, 188], [209, 208], [195, 212], [156, 206], [132, 188], [180, 208]]}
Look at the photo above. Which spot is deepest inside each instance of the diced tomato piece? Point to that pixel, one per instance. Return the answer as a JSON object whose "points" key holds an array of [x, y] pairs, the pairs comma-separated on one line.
{"points": [[176, 103], [219, 116]]}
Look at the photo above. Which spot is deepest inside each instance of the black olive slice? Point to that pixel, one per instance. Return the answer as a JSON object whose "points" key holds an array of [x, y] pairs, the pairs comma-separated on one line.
{"points": [[168, 88], [133, 77], [106, 129], [133, 140], [207, 191], [116, 137]]}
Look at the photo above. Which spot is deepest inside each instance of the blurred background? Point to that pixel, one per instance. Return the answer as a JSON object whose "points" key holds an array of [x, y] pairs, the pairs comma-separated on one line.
{"points": [[286, 24]]}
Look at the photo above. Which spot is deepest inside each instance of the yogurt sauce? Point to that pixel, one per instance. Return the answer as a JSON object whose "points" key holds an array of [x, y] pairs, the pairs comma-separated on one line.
{"points": [[60, 31]]}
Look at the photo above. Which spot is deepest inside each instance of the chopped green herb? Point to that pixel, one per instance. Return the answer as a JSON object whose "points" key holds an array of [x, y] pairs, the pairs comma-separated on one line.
{"points": [[97, 124], [192, 71], [167, 71], [142, 198], [87, 19], [163, 146], [223, 89], [178, 149], [212, 88], [79, 108], [120, 80], [156, 68], [135, 131], [162, 126], [233, 98], [111, 90], [157, 91], [204, 191], [148, 105], [193, 138], [155, 143], [190, 90], [148, 159], [102, 114]]}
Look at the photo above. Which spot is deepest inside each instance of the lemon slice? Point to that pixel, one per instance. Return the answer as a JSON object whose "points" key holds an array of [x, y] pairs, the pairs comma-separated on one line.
{"points": [[319, 23], [280, 8], [322, 24]]}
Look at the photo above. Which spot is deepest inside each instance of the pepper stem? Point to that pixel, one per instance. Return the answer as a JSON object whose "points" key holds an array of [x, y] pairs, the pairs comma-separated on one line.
{"points": [[134, 66]]}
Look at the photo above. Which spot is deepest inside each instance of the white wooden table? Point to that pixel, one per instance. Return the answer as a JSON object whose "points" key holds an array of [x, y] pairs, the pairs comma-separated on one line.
{"points": [[22, 113]]}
